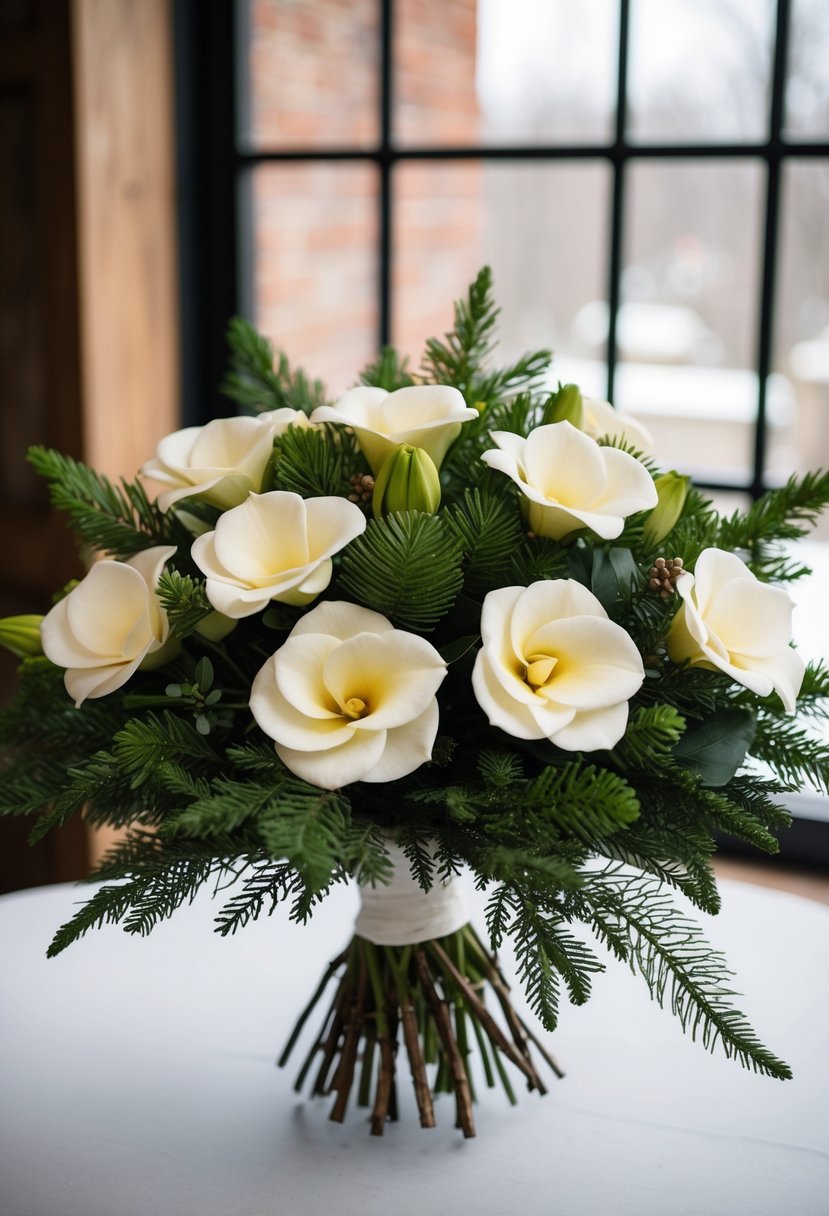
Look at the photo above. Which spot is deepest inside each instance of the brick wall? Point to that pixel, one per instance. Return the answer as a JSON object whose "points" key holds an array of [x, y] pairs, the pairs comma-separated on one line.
{"points": [[313, 84]]}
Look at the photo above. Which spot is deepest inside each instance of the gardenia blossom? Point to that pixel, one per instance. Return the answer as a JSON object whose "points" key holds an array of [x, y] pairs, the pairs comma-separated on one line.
{"points": [[110, 624], [602, 421], [570, 482], [427, 416], [274, 546], [729, 621], [349, 698], [553, 666], [220, 463]]}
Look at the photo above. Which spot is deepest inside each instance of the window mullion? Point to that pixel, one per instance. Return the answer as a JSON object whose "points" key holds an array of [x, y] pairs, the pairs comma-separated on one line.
{"points": [[619, 159]]}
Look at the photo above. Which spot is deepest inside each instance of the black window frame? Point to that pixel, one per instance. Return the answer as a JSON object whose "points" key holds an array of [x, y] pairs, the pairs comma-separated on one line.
{"points": [[215, 212]]}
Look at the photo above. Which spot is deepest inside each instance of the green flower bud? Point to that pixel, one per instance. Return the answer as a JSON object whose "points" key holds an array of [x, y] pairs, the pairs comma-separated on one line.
{"points": [[566, 406], [216, 626], [671, 491], [21, 635], [408, 481]]}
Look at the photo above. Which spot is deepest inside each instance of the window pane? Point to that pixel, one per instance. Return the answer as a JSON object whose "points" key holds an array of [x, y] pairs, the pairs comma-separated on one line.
{"points": [[807, 90], [700, 71], [311, 72], [687, 325], [542, 229], [802, 319], [314, 288], [471, 71]]}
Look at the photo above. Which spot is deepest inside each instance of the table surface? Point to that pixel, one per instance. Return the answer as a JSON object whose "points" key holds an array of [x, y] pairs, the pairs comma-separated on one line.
{"points": [[137, 1078]]}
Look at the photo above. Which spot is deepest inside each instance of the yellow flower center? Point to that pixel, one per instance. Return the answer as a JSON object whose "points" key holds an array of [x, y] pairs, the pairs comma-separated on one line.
{"points": [[539, 670], [355, 707]]}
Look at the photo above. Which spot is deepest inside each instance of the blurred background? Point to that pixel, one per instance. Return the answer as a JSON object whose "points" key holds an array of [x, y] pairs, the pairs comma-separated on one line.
{"points": [[649, 180]]}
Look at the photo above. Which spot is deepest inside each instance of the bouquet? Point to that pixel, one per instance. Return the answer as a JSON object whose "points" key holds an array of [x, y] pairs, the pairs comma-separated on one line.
{"points": [[453, 619]]}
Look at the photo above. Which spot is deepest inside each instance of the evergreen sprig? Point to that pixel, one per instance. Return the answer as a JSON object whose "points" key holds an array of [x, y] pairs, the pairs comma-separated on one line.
{"points": [[259, 380], [783, 514], [308, 463], [634, 916], [185, 601], [407, 566], [118, 520]]}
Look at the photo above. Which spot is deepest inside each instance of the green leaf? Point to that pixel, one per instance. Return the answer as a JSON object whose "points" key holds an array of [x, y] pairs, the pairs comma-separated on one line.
{"points": [[614, 575], [715, 748]]}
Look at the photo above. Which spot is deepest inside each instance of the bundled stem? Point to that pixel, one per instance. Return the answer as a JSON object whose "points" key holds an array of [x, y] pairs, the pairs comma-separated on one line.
{"points": [[431, 996]]}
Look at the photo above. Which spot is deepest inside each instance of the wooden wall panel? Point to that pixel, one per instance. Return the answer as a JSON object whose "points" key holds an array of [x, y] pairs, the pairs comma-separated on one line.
{"points": [[126, 227]]}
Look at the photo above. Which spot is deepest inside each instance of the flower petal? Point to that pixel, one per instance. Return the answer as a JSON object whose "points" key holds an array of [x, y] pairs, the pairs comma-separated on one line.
{"points": [[103, 610], [750, 617], [629, 487], [98, 681], [263, 536], [286, 724], [339, 766], [564, 465], [594, 730], [502, 710], [396, 674], [341, 620], [407, 747], [597, 662], [297, 669]]}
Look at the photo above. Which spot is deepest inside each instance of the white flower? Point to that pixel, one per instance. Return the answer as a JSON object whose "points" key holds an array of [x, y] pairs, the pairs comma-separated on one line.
{"points": [[349, 698], [554, 667], [602, 421], [730, 621], [221, 462], [274, 546], [427, 416], [570, 482], [108, 625]]}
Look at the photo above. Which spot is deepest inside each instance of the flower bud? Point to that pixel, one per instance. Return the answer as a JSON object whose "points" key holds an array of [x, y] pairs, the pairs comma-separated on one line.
{"points": [[671, 492], [216, 627], [566, 406], [21, 635], [408, 481]]}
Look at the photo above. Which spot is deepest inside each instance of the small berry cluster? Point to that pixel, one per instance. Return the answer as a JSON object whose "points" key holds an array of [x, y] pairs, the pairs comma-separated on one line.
{"points": [[663, 574]]}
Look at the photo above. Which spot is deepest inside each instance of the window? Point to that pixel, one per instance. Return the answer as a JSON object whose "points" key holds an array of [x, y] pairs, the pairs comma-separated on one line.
{"points": [[648, 178]]}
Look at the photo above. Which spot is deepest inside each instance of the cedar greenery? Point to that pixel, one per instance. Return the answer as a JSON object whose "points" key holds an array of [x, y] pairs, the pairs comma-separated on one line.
{"points": [[560, 840]]}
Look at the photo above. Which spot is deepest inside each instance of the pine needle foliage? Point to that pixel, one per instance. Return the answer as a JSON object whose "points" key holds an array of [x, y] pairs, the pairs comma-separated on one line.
{"points": [[634, 916], [305, 462], [407, 566], [488, 530], [259, 380], [185, 602], [784, 514], [118, 520], [390, 371]]}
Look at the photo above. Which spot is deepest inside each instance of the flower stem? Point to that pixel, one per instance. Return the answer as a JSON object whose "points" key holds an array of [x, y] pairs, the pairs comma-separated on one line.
{"points": [[431, 997]]}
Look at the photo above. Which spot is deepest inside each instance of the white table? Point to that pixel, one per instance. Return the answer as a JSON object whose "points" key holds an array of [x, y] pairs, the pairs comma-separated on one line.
{"points": [[137, 1079]]}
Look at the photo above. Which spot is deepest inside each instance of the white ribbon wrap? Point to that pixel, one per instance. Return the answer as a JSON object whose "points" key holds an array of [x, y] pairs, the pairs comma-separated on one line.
{"points": [[402, 913]]}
